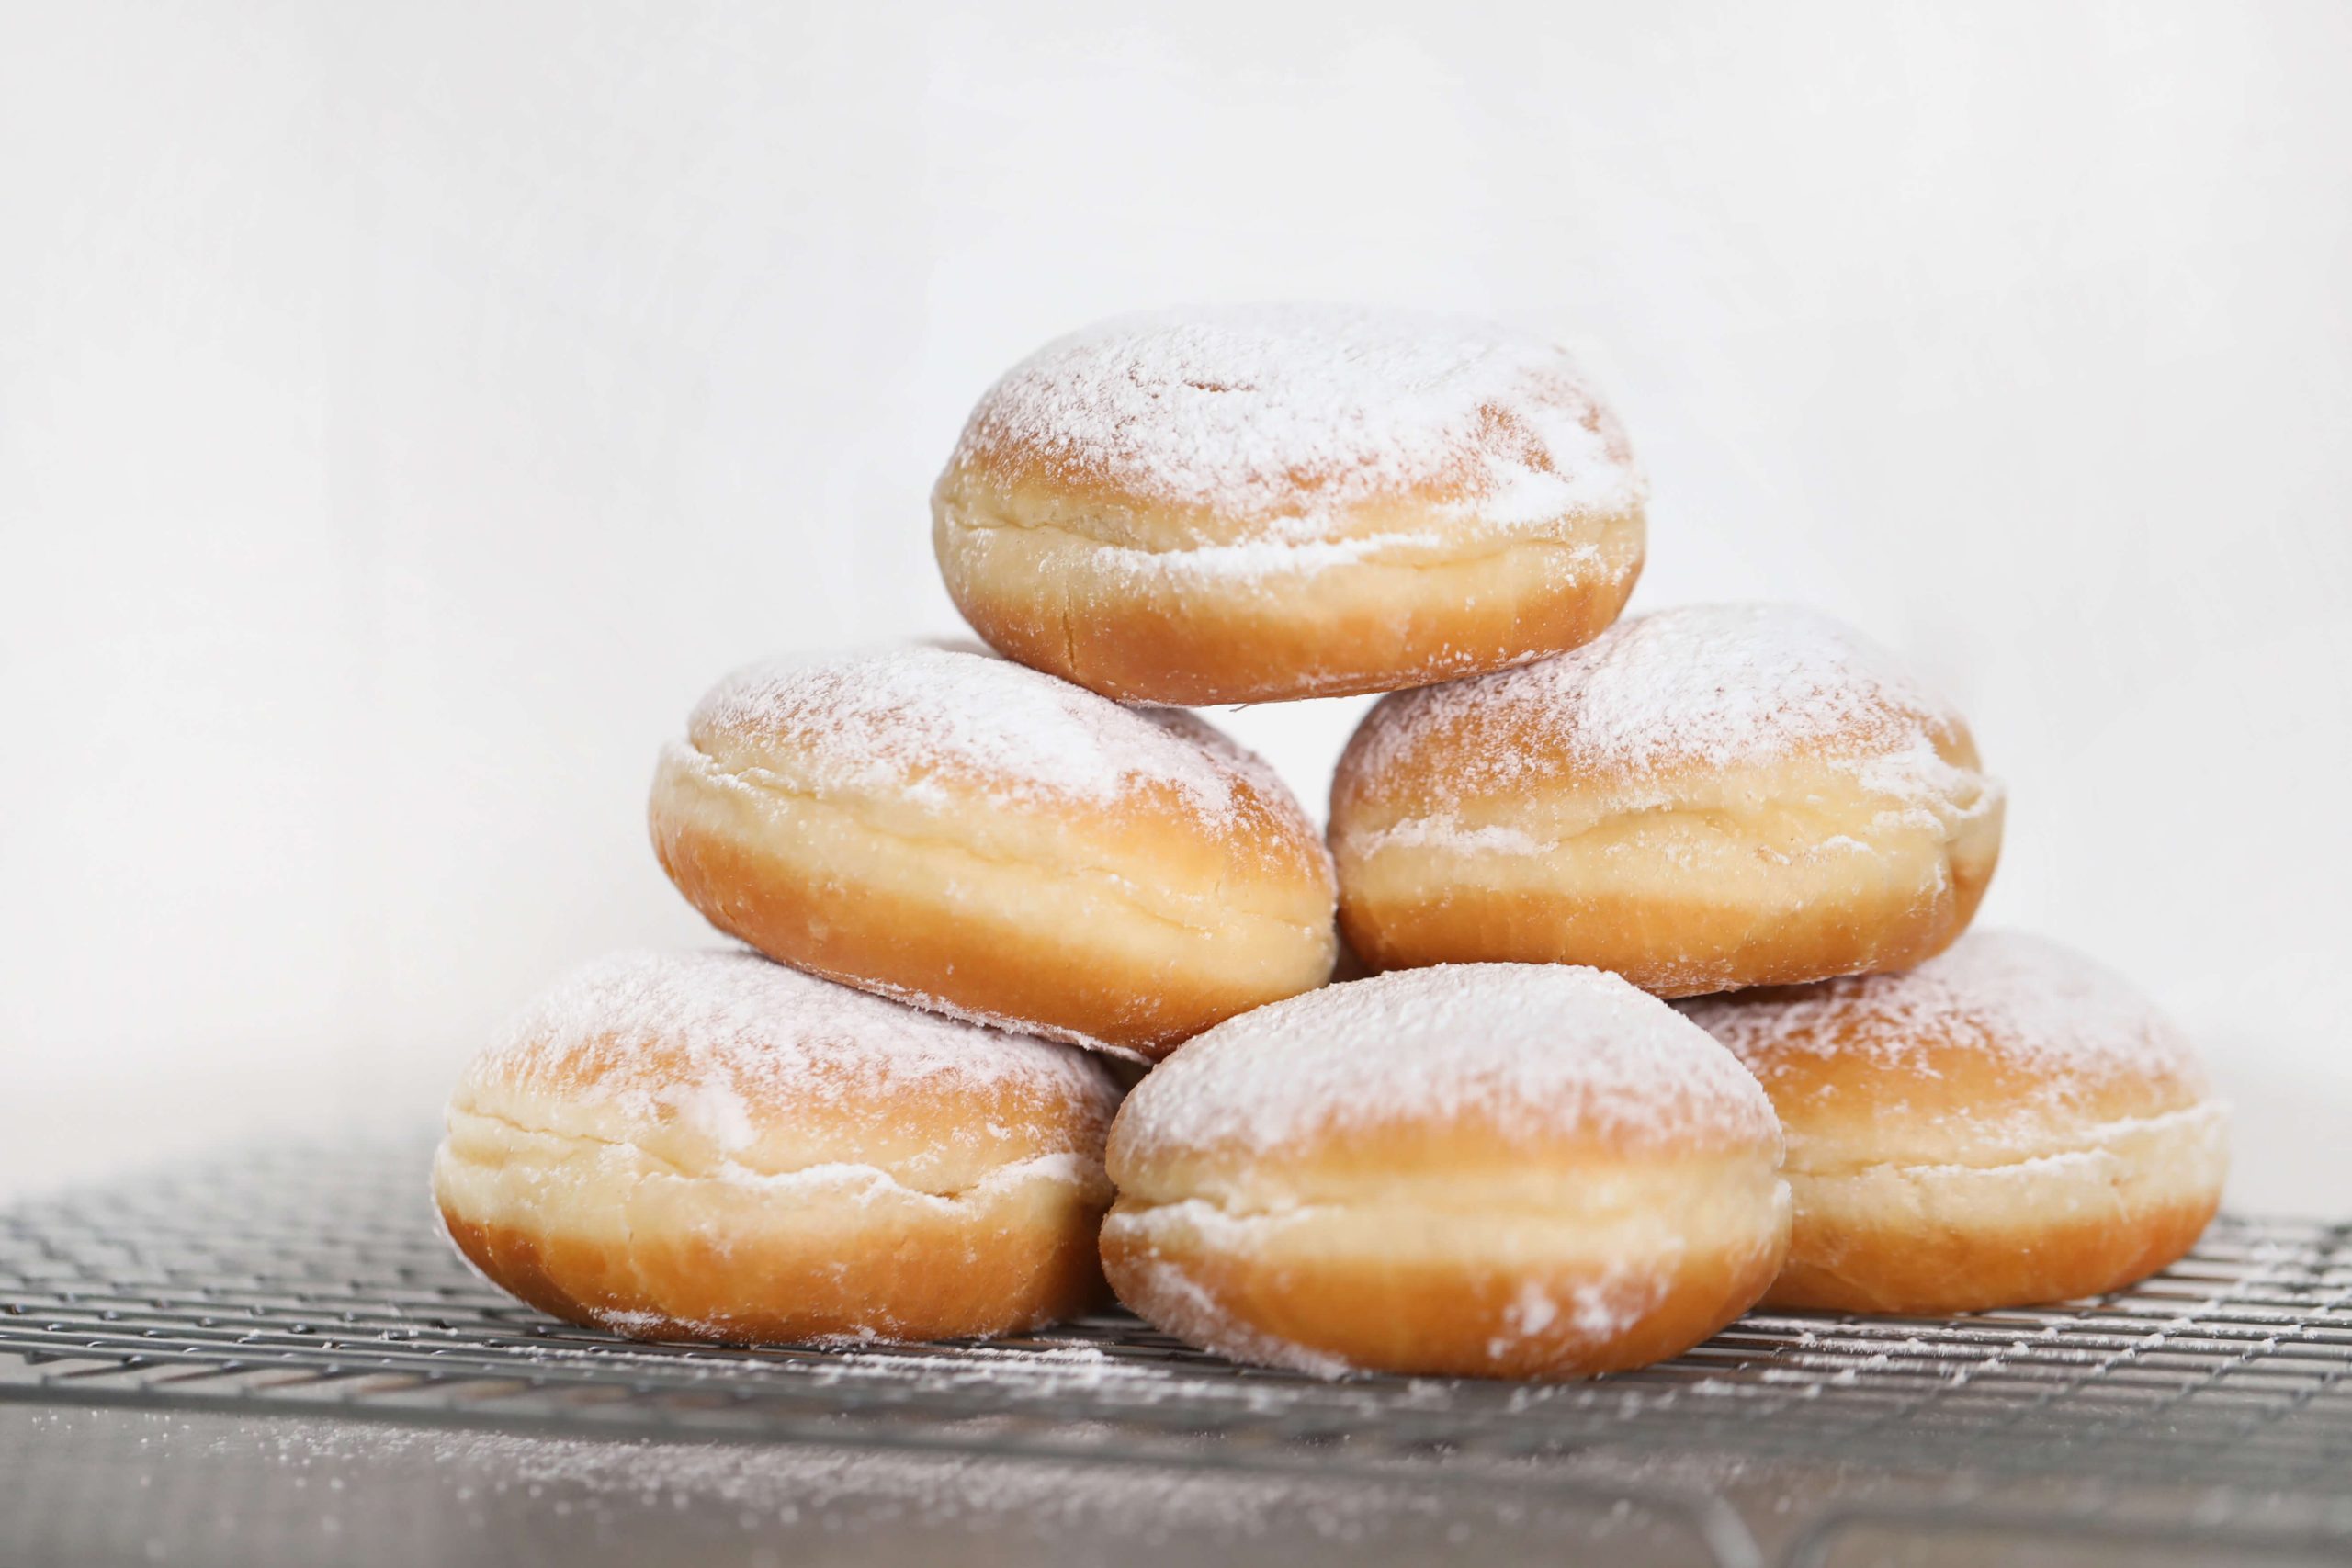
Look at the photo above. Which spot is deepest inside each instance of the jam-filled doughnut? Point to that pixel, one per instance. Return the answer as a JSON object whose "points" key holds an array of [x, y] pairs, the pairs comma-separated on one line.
{"points": [[1699, 799], [2007, 1124], [710, 1145], [960, 832], [1245, 504], [1494, 1171]]}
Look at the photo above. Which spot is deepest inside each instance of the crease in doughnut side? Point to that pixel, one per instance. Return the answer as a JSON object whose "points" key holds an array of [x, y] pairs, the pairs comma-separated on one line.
{"points": [[1793, 869], [1121, 888], [633, 1286], [1143, 605], [2089, 1147], [1579, 1202], [1944, 1237], [1068, 1166], [1444, 833], [1267, 1217], [1241, 561], [1962, 797], [1273, 1211], [1616, 1272]]}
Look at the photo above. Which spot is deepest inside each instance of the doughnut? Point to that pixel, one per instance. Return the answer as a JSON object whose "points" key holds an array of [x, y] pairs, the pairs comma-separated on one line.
{"points": [[2005, 1124], [1247, 505], [955, 831], [708, 1146], [1478, 1170], [1700, 799]]}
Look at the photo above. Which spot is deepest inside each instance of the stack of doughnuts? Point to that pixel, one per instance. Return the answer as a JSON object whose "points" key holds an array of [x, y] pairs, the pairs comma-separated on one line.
{"points": [[1667, 1006]]}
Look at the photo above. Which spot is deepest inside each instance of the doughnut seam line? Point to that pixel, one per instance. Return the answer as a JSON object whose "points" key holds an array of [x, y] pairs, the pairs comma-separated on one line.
{"points": [[1119, 889], [736, 1171], [1367, 842], [984, 520], [2097, 1142]]}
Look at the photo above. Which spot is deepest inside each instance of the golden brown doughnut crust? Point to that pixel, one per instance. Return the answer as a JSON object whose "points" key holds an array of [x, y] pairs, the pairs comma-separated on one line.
{"points": [[1488, 1171], [1002, 1268], [1263, 504], [1916, 1244], [1444, 1282], [1490, 821], [712, 1146], [2004, 1125], [1128, 625], [1133, 920]]}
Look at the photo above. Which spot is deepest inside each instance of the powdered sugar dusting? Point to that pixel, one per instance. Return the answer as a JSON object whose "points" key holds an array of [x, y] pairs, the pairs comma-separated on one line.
{"points": [[1532, 1050], [735, 1031], [2018, 998], [898, 719], [1064, 1492], [1594, 1311], [1287, 415], [1192, 1311], [1716, 686]]}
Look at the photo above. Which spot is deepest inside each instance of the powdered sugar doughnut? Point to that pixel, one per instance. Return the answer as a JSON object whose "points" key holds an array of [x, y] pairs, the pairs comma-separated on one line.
{"points": [[967, 835], [2007, 1124], [1701, 799], [1252, 503], [709, 1146], [1507, 1170]]}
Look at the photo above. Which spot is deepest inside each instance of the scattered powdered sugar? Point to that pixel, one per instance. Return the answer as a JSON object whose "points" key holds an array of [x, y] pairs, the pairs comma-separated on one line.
{"points": [[1192, 1311], [1532, 1311], [1287, 415], [1597, 1309], [371, 1491], [1718, 687], [218, 1487], [895, 718], [702, 1038], [2019, 997], [1534, 1050]]}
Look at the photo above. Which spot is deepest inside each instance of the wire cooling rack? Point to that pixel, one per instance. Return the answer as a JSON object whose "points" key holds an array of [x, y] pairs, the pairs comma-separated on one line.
{"points": [[309, 1279]]}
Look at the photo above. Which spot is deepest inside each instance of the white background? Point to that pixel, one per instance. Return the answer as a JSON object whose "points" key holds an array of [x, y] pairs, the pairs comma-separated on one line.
{"points": [[406, 410]]}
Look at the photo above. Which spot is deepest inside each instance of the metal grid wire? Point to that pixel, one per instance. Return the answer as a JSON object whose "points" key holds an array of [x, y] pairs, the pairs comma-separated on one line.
{"points": [[301, 1279]]}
